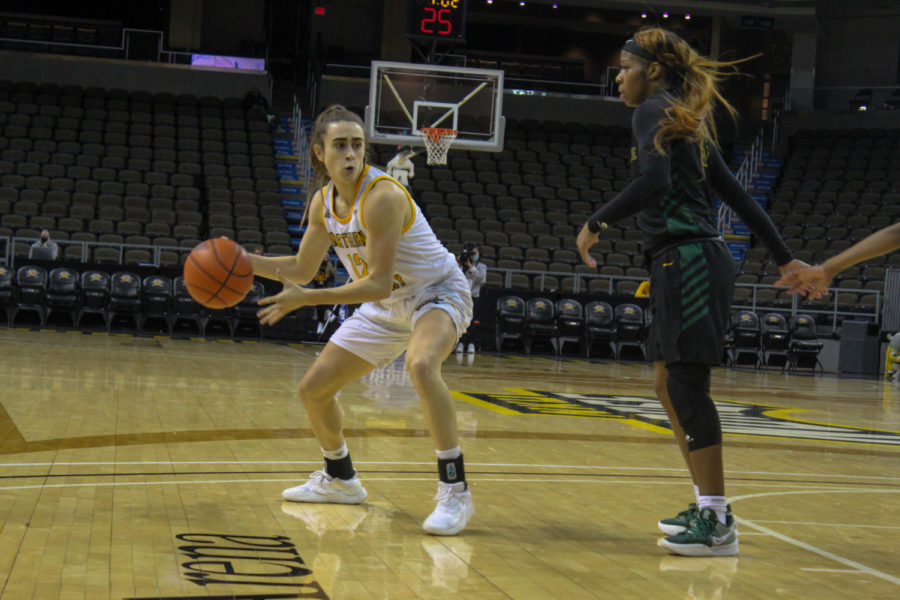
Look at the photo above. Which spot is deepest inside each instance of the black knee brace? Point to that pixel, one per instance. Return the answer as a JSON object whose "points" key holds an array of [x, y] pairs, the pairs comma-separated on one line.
{"points": [[688, 387]]}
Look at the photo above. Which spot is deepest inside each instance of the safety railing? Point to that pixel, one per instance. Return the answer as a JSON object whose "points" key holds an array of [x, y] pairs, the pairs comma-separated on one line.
{"points": [[745, 174], [9, 257], [828, 307], [301, 144]]}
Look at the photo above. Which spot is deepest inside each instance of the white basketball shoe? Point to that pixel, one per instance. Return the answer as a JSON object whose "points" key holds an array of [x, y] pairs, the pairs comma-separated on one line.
{"points": [[453, 511], [324, 488]]}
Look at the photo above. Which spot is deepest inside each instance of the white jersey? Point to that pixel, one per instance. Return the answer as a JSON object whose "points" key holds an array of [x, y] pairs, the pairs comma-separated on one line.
{"points": [[421, 259]]}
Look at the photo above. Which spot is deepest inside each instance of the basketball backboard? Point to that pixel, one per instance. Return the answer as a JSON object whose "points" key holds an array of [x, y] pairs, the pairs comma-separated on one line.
{"points": [[405, 97]]}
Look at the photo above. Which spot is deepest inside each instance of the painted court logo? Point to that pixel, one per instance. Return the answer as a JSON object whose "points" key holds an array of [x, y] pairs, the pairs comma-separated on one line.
{"points": [[736, 417]]}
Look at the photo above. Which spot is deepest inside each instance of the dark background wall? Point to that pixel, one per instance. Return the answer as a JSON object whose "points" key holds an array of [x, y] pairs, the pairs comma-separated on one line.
{"points": [[857, 48], [234, 27]]}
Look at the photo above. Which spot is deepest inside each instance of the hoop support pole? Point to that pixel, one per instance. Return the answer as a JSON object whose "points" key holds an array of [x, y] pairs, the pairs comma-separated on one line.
{"points": [[397, 96], [459, 104]]}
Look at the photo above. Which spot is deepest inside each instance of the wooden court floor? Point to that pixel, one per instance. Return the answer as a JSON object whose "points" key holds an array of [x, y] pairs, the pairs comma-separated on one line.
{"points": [[153, 468]]}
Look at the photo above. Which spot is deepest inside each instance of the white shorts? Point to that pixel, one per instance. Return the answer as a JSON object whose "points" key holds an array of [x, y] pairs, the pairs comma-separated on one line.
{"points": [[378, 332]]}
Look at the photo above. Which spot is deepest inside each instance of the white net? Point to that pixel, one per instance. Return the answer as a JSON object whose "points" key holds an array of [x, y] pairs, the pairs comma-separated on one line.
{"points": [[437, 143]]}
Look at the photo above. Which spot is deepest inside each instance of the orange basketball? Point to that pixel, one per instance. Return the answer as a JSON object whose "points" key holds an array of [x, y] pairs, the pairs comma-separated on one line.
{"points": [[218, 273]]}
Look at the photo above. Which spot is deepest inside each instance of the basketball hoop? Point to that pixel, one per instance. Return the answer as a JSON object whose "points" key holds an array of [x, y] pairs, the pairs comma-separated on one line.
{"points": [[437, 143]]}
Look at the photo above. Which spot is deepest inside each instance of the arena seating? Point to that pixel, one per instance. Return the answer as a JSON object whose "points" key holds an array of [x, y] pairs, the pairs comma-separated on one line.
{"points": [[144, 170], [837, 187], [523, 206]]}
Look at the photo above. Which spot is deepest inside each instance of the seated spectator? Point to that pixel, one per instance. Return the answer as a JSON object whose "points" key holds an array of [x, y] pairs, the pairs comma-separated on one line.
{"points": [[44, 248]]}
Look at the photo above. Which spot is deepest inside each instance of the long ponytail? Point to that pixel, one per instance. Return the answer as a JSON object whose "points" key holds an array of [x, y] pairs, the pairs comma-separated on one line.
{"points": [[695, 80]]}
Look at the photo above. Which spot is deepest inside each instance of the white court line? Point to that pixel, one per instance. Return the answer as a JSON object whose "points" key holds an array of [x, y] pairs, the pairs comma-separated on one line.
{"points": [[816, 524], [471, 464], [854, 571], [474, 481], [809, 547]]}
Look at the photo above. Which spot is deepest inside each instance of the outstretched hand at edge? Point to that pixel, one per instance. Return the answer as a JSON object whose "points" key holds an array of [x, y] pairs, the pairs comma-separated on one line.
{"points": [[291, 297]]}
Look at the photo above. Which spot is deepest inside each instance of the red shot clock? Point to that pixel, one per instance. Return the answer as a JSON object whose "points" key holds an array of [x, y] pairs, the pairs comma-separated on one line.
{"points": [[436, 19]]}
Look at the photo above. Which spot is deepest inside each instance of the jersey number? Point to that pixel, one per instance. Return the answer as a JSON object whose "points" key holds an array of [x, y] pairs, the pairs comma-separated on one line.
{"points": [[362, 270], [357, 261]]}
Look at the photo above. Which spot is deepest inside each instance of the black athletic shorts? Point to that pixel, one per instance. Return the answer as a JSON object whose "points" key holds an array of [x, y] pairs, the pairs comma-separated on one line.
{"points": [[691, 285]]}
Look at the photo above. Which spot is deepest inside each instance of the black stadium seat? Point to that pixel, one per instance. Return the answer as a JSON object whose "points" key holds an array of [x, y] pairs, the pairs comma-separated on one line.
{"points": [[629, 329], [188, 314], [7, 294], [63, 294], [540, 324], [31, 291], [569, 322], [599, 327], [746, 334], [156, 313], [124, 301], [509, 320]]}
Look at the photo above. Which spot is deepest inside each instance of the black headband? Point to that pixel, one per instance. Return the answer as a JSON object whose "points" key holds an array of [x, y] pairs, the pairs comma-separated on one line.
{"points": [[632, 47]]}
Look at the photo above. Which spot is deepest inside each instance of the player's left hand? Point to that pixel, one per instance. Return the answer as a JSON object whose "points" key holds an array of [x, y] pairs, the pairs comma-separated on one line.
{"points": [[585, 241], [278, 306]]}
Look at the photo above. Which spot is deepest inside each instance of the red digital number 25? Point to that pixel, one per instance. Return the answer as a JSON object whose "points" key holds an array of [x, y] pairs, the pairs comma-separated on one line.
{"points": [[434, 15]]}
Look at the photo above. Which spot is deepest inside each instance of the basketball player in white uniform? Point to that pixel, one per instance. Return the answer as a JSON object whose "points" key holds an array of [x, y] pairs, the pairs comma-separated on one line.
{"points": [[414, 298]]}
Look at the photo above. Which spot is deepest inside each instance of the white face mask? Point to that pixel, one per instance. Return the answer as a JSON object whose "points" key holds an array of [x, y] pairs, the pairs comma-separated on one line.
{"points": [[475, 257]]}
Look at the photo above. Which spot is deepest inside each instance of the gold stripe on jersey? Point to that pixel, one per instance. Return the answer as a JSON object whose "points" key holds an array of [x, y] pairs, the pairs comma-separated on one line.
{"points": [[355, 196], [324, 192], [409, 199]]}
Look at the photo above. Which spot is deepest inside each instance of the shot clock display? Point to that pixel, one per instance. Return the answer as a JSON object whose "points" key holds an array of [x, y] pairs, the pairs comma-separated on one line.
{"points": [[436, 19]]}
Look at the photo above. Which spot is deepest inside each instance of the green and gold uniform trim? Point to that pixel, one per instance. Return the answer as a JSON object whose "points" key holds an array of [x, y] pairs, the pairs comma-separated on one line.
{"points": [[694, 284]]}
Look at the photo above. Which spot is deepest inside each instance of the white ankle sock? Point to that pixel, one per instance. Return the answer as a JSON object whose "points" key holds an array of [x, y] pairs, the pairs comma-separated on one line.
{"points": [[449, 454], [336, 454], [718, 503], [697, 494]]}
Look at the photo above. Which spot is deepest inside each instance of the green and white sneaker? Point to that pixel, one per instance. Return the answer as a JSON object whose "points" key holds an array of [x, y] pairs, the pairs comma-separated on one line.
{"points": [[705, 536], [682, 521]]}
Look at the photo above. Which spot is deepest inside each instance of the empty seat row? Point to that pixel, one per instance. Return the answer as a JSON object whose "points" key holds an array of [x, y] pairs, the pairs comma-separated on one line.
{"points": [[152, 304], [567, 320]]}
